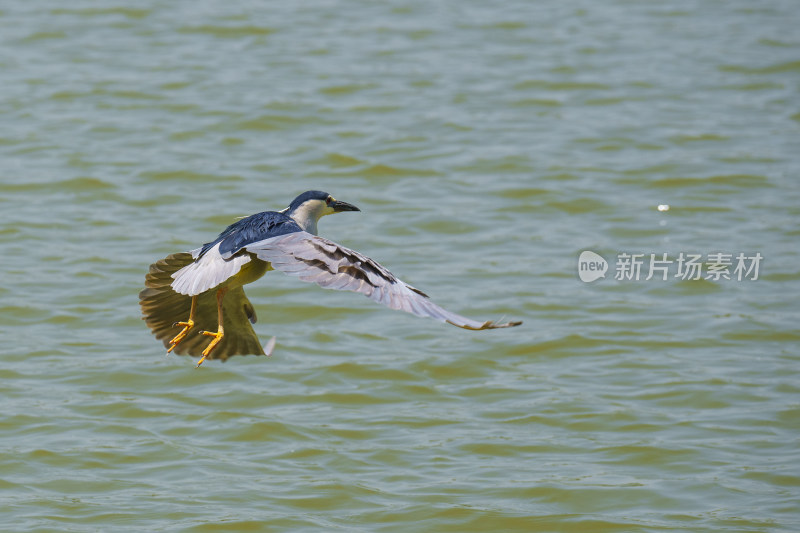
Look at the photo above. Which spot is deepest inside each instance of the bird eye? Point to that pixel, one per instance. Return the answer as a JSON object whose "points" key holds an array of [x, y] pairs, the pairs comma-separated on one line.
{"points": [[328, 200]]}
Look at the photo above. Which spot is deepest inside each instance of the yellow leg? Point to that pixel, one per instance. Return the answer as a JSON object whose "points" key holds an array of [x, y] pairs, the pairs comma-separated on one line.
{"points": [[186, 327], [220, 331]]}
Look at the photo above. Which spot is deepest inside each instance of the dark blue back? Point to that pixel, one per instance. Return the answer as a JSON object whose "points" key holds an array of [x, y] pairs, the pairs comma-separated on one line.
{"points": [[251, 229]]}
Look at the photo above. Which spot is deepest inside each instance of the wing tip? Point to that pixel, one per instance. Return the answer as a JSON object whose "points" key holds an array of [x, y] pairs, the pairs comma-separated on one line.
{"points": [[487, 325]]}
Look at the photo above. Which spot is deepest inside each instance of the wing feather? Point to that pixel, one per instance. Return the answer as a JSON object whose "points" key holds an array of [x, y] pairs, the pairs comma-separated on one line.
{"points": [[332, 266], [207, 271]]}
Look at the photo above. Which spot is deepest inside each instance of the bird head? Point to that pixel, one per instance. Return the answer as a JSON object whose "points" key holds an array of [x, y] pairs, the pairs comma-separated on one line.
{"points": [[310, 206]]}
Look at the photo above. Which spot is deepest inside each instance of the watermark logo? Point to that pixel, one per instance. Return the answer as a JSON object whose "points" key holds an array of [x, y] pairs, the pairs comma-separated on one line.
{"points": [[591, 266], [716, 266]]}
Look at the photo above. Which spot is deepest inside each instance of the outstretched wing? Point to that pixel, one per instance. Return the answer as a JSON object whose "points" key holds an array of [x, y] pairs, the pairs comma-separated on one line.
{"points": [[162, 307], [329, 265]]}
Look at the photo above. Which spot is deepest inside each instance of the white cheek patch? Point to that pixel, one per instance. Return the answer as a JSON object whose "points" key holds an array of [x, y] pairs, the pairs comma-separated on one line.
{"points": [[308, 213]]}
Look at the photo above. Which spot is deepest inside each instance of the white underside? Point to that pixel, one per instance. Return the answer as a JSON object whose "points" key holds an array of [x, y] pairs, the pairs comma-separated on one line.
{"points": [[207, 272]]}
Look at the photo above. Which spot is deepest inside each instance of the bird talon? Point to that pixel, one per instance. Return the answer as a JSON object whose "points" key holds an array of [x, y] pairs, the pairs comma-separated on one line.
{"points": [[217, 337], [189, 324]]}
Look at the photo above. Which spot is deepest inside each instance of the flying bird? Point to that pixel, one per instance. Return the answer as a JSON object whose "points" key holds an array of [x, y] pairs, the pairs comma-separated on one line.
{"points": [[201, 291]]}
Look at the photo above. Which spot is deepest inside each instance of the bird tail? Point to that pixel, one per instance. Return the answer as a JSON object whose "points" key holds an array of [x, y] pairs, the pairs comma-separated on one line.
{"points": [[162, 307]]}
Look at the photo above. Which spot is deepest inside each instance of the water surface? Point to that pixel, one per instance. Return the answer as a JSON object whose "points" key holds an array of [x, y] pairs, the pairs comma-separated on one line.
{"points": [[487, 147]]}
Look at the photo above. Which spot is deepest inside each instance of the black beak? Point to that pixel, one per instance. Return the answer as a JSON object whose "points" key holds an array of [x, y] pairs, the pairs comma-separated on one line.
{"points": [[338, 206]]}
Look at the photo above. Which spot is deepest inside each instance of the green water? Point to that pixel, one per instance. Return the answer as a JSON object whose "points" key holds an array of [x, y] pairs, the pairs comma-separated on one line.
{"points": [[488, 145]]}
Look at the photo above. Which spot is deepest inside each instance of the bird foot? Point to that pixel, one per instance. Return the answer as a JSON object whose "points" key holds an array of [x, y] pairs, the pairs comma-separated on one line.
{"points": [[189, 324], [217, 337]]}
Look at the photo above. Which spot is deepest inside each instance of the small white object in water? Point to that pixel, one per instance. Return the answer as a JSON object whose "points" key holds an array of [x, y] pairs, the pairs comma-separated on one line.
{"points": [[663, 207]]}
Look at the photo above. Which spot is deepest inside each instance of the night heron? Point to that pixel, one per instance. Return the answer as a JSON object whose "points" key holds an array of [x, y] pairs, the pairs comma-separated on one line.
{"points": [[201, 291]]}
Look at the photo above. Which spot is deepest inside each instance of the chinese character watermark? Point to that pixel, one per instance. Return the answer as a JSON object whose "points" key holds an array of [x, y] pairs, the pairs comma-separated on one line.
{"points": [[714, 266]]}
